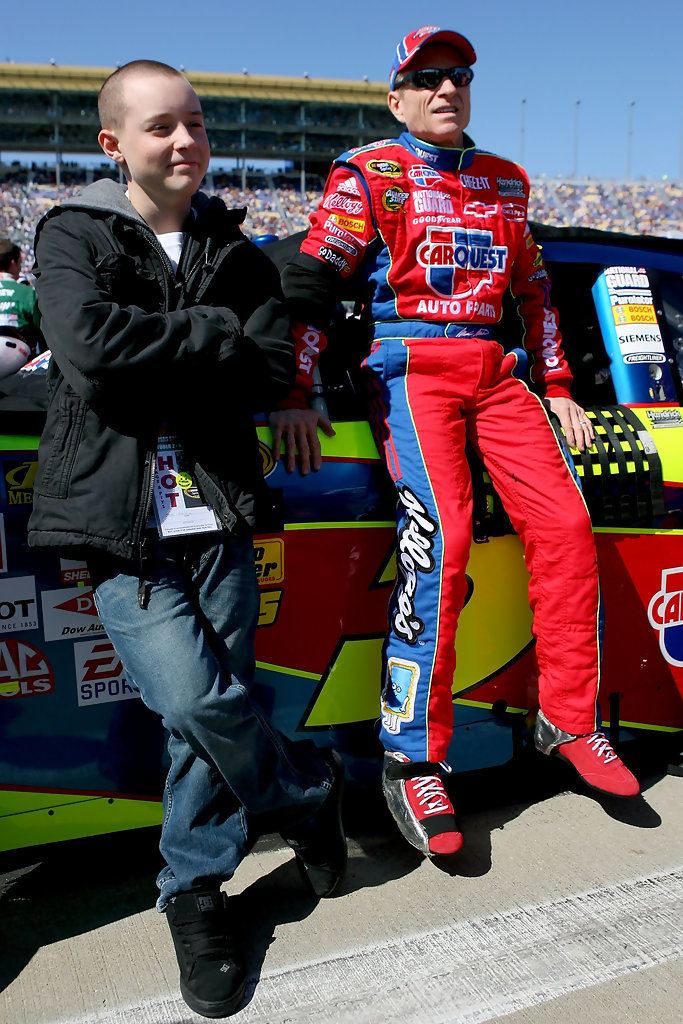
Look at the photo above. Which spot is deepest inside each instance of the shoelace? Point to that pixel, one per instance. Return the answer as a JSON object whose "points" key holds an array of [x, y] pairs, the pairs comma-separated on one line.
{"points": [[200, 941], [601, 745], [431, 794]]}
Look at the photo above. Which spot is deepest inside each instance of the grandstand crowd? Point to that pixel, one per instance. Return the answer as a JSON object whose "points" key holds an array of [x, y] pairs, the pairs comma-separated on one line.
{"points": [[276, 206]]}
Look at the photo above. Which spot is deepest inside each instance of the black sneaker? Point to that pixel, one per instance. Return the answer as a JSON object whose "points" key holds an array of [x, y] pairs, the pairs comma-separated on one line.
{"points": [[212, 977], [319, 842]]}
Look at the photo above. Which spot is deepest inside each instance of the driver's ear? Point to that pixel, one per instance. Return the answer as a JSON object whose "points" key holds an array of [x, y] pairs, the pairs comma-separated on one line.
{"points": [[395, 105]]}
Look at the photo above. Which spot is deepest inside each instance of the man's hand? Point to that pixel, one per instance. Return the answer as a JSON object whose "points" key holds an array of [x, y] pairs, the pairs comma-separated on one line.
{"points": [[578, 429], [298, 428]]}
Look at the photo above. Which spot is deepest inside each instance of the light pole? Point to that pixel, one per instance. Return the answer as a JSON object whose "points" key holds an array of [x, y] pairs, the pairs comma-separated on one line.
{"points": [[575, 162], [629, 137], [522, 130]]}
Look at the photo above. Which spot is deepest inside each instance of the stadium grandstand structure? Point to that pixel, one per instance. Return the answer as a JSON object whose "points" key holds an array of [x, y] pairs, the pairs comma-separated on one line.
{"points": [[304, 122]]}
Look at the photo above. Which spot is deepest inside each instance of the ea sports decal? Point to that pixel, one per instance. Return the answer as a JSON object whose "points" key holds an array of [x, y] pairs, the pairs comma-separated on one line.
{"points": [[24, 670], [447, 253], [424, 176], [665, 613], [100, 675]]}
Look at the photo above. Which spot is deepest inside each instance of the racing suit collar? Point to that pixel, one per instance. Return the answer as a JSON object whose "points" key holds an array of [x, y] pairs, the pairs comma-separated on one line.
{"points": [[436, 156]]}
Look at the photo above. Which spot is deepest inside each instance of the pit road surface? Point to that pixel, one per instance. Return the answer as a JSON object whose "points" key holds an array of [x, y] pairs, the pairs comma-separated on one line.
{"points": [[562, 907]]}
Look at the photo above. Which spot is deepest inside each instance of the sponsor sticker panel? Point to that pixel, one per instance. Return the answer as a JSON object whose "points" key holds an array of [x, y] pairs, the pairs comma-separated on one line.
{"points": [[638, 334], [664, 418], [73, 571], [665, 613], [17, 481], [100, 675], [18, 605], [3, 545], [70, 613], [269, 560], [24, 670]]}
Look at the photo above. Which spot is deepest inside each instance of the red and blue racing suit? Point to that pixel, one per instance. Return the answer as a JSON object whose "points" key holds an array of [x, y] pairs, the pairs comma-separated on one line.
{"points": [[439, 235]]}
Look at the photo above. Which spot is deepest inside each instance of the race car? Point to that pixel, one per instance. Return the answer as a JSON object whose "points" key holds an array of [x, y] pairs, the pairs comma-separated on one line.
{"points": [[80, 755]]}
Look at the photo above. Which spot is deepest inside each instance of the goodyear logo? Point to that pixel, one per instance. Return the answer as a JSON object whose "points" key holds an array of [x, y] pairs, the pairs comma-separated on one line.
{"points": [[665, 613], [269, 560], [388, 168]]}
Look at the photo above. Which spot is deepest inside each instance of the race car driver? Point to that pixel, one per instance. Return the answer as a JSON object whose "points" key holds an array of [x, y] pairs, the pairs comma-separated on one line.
{"points": [[437, 230]]}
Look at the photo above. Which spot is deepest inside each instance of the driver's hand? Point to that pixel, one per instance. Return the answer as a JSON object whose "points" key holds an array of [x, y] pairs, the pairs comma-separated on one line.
{"points": [[298, 428], [578, 429]]}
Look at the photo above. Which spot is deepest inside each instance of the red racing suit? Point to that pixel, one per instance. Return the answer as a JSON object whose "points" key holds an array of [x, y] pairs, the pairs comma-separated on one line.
{"points": [[438, 236]]}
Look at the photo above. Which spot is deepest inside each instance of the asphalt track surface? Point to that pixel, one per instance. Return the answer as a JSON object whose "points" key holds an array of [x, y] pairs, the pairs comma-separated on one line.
{"points": [[562, 907]]}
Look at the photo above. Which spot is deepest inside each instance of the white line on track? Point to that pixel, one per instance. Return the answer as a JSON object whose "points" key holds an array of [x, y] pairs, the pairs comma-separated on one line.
{"points": [[467, 973]]}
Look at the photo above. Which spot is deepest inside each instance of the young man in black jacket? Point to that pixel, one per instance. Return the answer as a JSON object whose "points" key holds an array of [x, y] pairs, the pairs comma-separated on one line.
{"points": [[149, 465]]}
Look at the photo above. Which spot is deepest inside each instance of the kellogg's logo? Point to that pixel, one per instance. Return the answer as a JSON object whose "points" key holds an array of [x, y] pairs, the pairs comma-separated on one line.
{"points": [[446, 251], [342, 202], [665, 613]]}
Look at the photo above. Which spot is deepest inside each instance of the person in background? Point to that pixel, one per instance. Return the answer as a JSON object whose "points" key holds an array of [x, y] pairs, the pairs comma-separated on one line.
{"points": [[20, 335]]}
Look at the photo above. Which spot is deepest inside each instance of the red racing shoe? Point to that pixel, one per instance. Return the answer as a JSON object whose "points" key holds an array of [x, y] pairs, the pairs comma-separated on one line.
{"points": [[591, 756], [599, 765], [418, 801]]}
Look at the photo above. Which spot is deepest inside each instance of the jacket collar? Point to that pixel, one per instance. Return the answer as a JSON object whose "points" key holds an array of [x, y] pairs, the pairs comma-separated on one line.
{"points": [[109, 197], [440, 157]]}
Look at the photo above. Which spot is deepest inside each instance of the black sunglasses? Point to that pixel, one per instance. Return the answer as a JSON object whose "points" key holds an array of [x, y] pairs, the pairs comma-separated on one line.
{"points": [[431, 78]]}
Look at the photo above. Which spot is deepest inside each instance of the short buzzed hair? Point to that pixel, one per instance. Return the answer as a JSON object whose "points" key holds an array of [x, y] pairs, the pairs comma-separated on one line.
{"points": [[110, 103], [9, 252]]}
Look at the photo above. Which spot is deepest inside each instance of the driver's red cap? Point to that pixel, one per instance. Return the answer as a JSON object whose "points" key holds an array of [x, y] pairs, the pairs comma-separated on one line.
{"points": [[411, 44]]}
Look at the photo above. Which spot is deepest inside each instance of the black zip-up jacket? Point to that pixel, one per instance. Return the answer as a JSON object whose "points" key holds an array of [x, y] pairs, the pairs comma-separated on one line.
{"points": [[137, 350]]}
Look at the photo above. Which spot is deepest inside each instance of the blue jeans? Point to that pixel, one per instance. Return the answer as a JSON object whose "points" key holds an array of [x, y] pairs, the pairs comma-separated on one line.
{"points": [[190, 652]]}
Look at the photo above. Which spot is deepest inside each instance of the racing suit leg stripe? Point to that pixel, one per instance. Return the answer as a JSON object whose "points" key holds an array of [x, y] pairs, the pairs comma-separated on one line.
{"points": [[409, 650], [440, 430], [513, 434]]}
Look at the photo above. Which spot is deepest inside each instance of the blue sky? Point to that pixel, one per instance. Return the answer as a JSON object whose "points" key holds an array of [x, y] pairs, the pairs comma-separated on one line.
{"points": [[606, 53]]}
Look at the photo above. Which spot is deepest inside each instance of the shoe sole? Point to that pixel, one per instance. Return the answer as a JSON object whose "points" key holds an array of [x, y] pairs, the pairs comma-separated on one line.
{"points": [[212, 1009]]}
